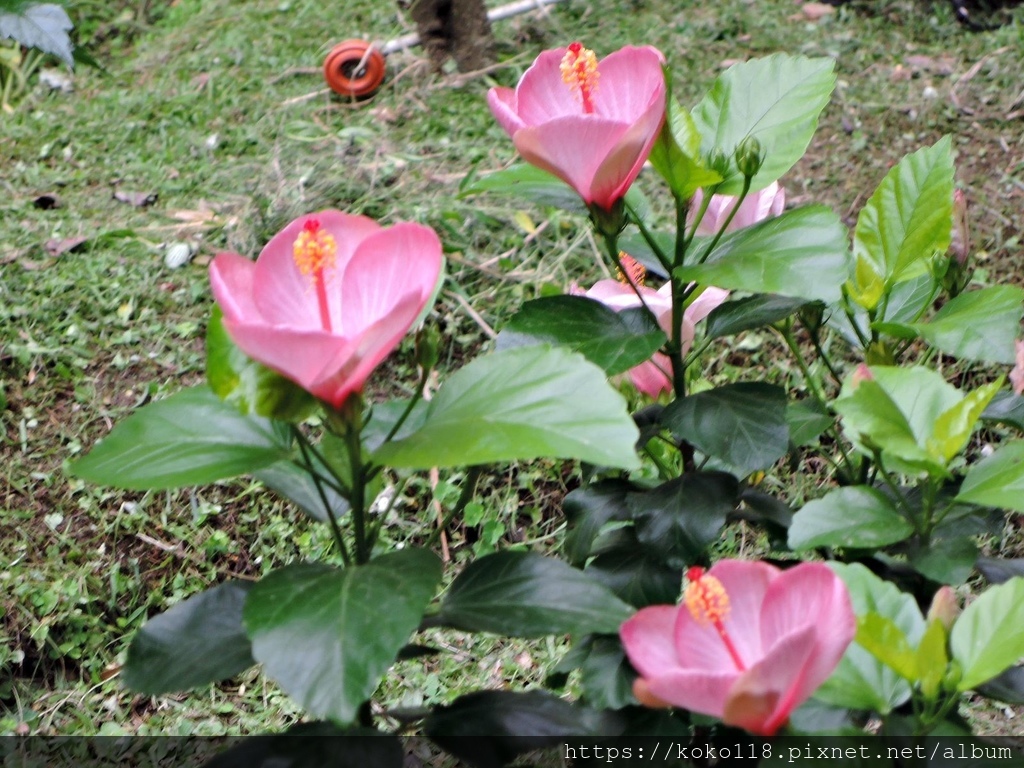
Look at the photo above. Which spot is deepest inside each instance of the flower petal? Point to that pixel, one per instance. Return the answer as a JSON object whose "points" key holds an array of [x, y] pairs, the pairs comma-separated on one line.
{"points": [[647, 638], [695, 690], [653, 376], [231, 279], [620, 166], [542, 95], [502, 102], [631, 80], [710, 299]]}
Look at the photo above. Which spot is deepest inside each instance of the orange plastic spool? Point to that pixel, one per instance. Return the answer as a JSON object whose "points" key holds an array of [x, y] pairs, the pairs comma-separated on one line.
{"points": [[354, 68]]}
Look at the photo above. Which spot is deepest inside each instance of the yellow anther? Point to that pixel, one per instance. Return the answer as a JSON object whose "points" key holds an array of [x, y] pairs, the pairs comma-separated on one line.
{"points": [[579, 72], [706, 598], [631, 271], [314, 249]]}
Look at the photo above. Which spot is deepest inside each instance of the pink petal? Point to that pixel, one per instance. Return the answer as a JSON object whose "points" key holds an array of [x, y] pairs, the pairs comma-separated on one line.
{"points": [[287, 297], [389, 266], [621, 166], [631, 80], [647, 638], [556, 147], [614, 294], [542, 95], [351, 366], [231, 279], [502, 102], [693, 689], [810, 595], [710, 299], [653, 376], [762, 698]]}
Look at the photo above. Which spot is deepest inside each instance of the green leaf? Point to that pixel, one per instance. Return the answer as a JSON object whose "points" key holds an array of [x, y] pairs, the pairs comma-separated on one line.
{"points": [[523, 594], [744, 424], [588, 510], [1008, 686], [327, 635], [807, 419], [776, 99], [676, 154], [997, 481], [932, 659], [948, 560], [40, 25], [996, 570], [989, 635], [978, 325], [198, 641], [639, 581], [584, 325], [295, 484], [855, 516], [250, 386], [800, 254], [528, 182], [880, 636], [861, 681], [191, 438], [909, 217], [677, 520], [607, 676], [757, 311], [521, 404]]}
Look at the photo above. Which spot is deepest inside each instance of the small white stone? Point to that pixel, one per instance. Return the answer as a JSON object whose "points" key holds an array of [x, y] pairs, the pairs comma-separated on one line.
{"points": [[178, 255]]}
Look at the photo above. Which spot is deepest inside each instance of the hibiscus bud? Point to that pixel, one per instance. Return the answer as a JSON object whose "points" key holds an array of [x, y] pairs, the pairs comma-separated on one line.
{"points": [[749, 156], [860, 373], [812, 316], [427, 342], [1017, 374], [944, 608], [609, 222], [718, 162], [960, 242]]}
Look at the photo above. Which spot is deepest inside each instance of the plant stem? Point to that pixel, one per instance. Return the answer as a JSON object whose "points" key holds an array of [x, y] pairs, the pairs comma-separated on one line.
{"points": [[305, 448], [728, 220], [358, 499], [785, 329], [417, 396], [649, 238], [468, 489]]}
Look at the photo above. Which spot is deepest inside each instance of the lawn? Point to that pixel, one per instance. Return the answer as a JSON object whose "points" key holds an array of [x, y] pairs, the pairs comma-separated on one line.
{"points": [[208, 128]]}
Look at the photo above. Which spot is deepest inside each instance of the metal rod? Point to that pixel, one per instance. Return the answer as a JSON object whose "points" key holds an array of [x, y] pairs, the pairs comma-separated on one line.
{"points": [[495, 14]]}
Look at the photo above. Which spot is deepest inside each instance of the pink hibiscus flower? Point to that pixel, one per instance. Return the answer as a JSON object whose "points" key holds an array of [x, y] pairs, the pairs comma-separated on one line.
{"points": [[756, 207]]}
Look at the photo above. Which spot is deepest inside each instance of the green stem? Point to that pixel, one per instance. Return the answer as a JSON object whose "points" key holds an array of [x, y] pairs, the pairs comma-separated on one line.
{"points": [[468, 489], [816, 341], [675, 342], [704, 203], [785, 329], [305, 449], [358, 499], [898, 498], [416, 397], [649, 238], [728, 220]]}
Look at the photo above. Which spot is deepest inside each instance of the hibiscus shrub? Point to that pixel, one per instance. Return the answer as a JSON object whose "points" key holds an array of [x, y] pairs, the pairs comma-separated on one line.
{"points": [[769, 648]]}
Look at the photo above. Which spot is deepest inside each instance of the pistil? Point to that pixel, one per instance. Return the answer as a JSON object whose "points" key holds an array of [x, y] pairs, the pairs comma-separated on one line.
{"points": [[708, 603], [314, 252]]}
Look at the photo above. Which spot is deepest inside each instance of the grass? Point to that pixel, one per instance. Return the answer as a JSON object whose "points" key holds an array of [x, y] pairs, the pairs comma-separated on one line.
{"points": [[216, 110]]}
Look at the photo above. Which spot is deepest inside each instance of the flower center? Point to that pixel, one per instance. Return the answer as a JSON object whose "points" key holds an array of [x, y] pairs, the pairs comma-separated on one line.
{"points": [[579, 72], [314, 252], [631, 271], [708, 603]]}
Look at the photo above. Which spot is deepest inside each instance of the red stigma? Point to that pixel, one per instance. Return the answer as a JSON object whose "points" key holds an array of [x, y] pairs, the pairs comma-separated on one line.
{"points": [[312, 226], [694, 573]]}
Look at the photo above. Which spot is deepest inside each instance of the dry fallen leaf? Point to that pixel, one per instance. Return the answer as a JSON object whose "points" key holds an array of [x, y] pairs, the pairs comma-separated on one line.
{"points": [[815, 11], [138, 199], [56, 247]]}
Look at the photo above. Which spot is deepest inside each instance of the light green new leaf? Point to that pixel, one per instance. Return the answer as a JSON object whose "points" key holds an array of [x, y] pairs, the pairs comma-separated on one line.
{"points": [[887, 643], [997, 481], [989, 635], [953, 427], [676, 154], [327, 635], [802, 253], [855, 516], [978, 325], [777, 100], [932, 659], [191, 438], [519, 404], [861, 681], [909, 217]]}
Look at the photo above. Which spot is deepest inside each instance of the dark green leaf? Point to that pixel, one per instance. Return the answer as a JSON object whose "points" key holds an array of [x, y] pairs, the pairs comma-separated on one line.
{"points": [[987, 638], [327, 635], [744, 424], [199, 641], [523, 594], [764, 509], [489, 728], [521, 404], [383, 418], [750, 312], [1008, 686], [586, 326], [807, 419], [634, 244], [588, 509], [40, 25], [776, 99], [190, 438], [945, 560], [801, 254], [640, 581], [909, 217], [997, 570], [855, 516], [607, 676], [249, 386], [1005, 408], [677, 520]]}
